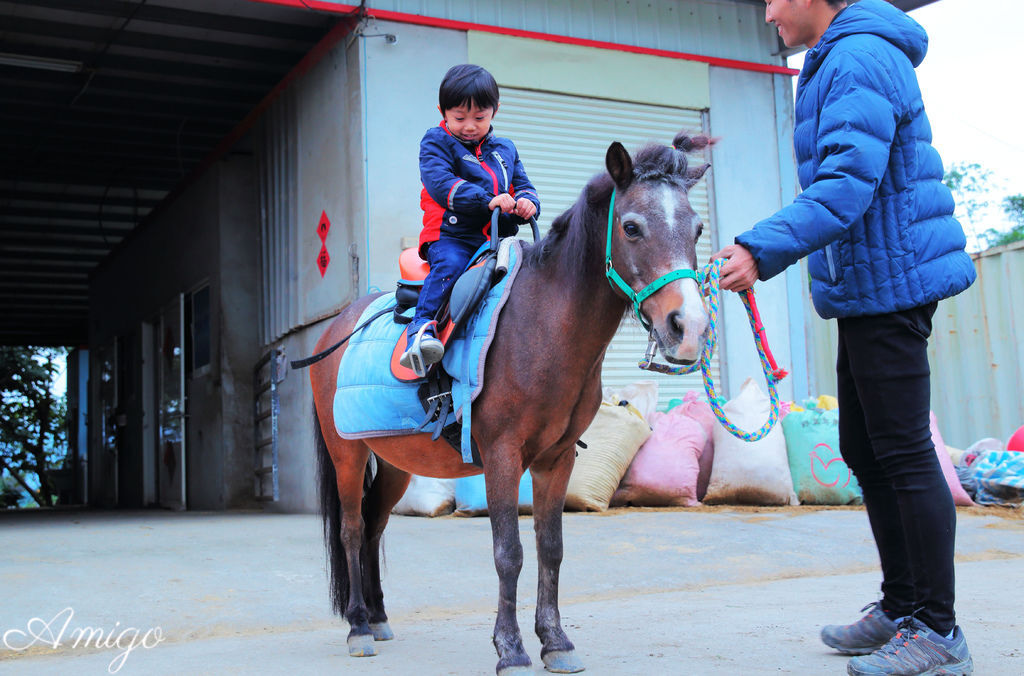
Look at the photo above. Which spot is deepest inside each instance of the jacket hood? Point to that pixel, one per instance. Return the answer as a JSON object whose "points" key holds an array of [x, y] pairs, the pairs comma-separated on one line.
{"points": [[873, 17]]}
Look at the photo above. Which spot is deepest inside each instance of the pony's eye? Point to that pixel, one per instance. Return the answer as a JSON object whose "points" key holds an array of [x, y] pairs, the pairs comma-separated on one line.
{"points": [[631, 229], [700, 229]]}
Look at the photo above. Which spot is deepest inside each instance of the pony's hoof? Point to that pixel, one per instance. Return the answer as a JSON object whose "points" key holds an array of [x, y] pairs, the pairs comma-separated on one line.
{"points": [[526, 670], [563, 662], [381, 631], [361, 646]]}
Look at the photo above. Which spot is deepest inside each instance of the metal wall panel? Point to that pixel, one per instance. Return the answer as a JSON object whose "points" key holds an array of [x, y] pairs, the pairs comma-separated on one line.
{"points": [[729, 29], [278, 187], [976, 353], [564, 152]]}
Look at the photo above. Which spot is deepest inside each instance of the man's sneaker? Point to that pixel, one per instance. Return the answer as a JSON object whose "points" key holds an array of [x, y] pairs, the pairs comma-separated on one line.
{"points": [[425, 350], [862, 637], [916, 650]]}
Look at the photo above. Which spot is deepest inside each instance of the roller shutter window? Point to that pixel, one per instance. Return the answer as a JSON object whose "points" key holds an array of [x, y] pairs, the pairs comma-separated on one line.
{"points": [[562, 141]]}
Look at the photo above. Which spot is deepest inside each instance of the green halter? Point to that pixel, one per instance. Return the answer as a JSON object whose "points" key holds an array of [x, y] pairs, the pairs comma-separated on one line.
{"points": [[616, 280]]}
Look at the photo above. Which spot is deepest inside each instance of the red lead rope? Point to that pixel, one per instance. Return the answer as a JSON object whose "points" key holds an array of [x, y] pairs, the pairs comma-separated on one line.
{"points": [[779, 373]]}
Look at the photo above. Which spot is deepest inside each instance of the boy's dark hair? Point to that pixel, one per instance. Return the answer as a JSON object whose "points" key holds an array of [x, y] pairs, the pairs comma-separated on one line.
{"points": [[467, 84], [839, 3]]}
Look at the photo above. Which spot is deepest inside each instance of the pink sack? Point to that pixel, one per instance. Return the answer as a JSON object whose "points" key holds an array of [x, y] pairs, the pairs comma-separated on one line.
{"points": [[664, 471], [700, 411], [960, 496]]}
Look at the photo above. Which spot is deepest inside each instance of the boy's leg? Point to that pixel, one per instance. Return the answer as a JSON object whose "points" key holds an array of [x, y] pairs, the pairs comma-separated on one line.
{"points": [[448, 258], [887, 362]]}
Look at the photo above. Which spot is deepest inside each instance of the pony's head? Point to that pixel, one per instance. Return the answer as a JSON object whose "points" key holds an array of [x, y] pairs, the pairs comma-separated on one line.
{"points": [[652, 242]]}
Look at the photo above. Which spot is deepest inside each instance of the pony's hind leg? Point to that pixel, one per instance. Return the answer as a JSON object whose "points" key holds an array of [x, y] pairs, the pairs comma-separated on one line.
{"points": [[549, 486], [354, 539], [388, 488], [345, 477]]}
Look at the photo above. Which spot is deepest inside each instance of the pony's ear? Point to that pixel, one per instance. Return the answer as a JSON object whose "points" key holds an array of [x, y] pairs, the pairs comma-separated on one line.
{"points": [[619, 165], [694, 174]]}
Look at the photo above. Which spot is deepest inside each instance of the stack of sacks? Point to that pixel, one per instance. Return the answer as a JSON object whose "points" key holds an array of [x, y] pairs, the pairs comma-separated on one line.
{"points": [[612, 441], [426, 496], [471, 495], [960, 496], [750, 473], [820, 476], [641, 395], [700, 410], [666, 471]]}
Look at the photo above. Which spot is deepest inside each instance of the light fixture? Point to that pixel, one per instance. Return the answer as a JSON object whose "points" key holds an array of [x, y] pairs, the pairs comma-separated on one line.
{"points": [[40, 63]]}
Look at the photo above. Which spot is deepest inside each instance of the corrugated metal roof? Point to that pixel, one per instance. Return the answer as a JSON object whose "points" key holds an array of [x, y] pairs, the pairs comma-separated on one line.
{"points": [[105, 106]]}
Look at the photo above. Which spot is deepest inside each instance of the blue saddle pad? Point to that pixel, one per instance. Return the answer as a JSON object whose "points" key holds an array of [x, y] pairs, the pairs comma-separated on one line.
{"points": [[371, 402]]}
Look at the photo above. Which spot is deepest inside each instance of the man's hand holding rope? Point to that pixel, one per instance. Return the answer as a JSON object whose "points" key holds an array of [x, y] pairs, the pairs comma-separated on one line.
{"points": [[740, 270]]}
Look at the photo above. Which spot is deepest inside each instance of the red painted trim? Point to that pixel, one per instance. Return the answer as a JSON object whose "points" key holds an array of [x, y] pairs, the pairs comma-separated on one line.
{"points": [[436, 22]]}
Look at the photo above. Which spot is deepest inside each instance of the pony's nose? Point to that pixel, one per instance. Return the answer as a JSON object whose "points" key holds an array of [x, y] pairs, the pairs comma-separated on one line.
{"points": [[675, 324]]}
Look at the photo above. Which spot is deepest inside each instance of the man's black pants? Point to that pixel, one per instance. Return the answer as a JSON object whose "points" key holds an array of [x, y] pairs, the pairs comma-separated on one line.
{"points": [[884, 436]]}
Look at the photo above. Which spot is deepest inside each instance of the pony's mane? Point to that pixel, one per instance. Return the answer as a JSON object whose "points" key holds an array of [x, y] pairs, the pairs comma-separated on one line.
{"points": [[572, 230]]}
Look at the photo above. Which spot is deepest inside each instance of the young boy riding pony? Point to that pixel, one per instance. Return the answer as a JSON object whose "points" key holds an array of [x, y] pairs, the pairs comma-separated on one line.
{"points": [[467, 172]]}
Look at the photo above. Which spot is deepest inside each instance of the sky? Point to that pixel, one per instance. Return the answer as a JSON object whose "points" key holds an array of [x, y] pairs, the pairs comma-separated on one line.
{"points": [[971, 84]]}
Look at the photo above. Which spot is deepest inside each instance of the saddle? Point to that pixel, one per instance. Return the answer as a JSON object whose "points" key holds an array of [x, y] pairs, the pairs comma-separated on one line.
{"points": [[487, 267]]}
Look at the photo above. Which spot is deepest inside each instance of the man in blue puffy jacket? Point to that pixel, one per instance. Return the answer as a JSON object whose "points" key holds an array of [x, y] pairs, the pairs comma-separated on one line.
{"points": [[877, 224]]}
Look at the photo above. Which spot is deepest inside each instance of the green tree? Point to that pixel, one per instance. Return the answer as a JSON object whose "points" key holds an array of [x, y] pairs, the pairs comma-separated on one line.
{"points": [[1013, 207], [32, 419], [970, 185]]}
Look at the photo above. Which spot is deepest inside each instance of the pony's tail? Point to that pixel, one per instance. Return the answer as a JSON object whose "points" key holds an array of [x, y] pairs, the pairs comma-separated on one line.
{"points": [[687, 143], [330, 512]]}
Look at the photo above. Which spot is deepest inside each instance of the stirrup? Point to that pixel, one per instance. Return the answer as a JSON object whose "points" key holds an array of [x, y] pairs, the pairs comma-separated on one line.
{"points": [[414, 357]]}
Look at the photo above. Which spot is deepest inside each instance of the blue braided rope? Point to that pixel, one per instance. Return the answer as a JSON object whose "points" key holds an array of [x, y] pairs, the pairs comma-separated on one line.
{"points": [[709, 279]]}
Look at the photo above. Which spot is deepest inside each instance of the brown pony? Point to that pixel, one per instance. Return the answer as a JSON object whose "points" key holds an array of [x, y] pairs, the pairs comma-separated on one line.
{"points": [[542, 389]]}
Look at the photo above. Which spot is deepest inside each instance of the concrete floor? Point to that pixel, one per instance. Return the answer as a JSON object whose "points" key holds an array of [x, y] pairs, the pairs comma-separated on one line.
{"points": [[705, 591]]}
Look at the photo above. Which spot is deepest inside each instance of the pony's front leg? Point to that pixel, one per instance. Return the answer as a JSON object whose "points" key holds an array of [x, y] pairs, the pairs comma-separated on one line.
{"points": [[549, 486], [503, 509]]}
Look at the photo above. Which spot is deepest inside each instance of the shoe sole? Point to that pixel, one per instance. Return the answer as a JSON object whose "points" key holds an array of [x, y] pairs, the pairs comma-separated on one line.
{"points": [[432, 353], [856, 651], [965, 668]]}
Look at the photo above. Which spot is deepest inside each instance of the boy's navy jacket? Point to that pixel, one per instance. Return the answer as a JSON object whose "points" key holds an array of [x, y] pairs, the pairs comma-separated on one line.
{"points": [[873, 211], [460, 180]]}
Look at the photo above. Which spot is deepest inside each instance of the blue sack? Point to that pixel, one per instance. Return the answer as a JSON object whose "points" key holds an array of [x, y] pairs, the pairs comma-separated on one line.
{"points": [[471, 495]]}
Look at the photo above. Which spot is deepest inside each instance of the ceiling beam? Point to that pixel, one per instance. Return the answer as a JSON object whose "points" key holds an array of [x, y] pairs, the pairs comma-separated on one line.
{"points": [[19, 227], [132, 36], [49, 211], [183, 17], [76, 198], [14, 257]]}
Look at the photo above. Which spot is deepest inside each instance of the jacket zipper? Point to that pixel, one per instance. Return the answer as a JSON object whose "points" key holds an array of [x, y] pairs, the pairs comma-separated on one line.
{"points": [[494, 181], [501, 163], [830, 257], [494, 177]]}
